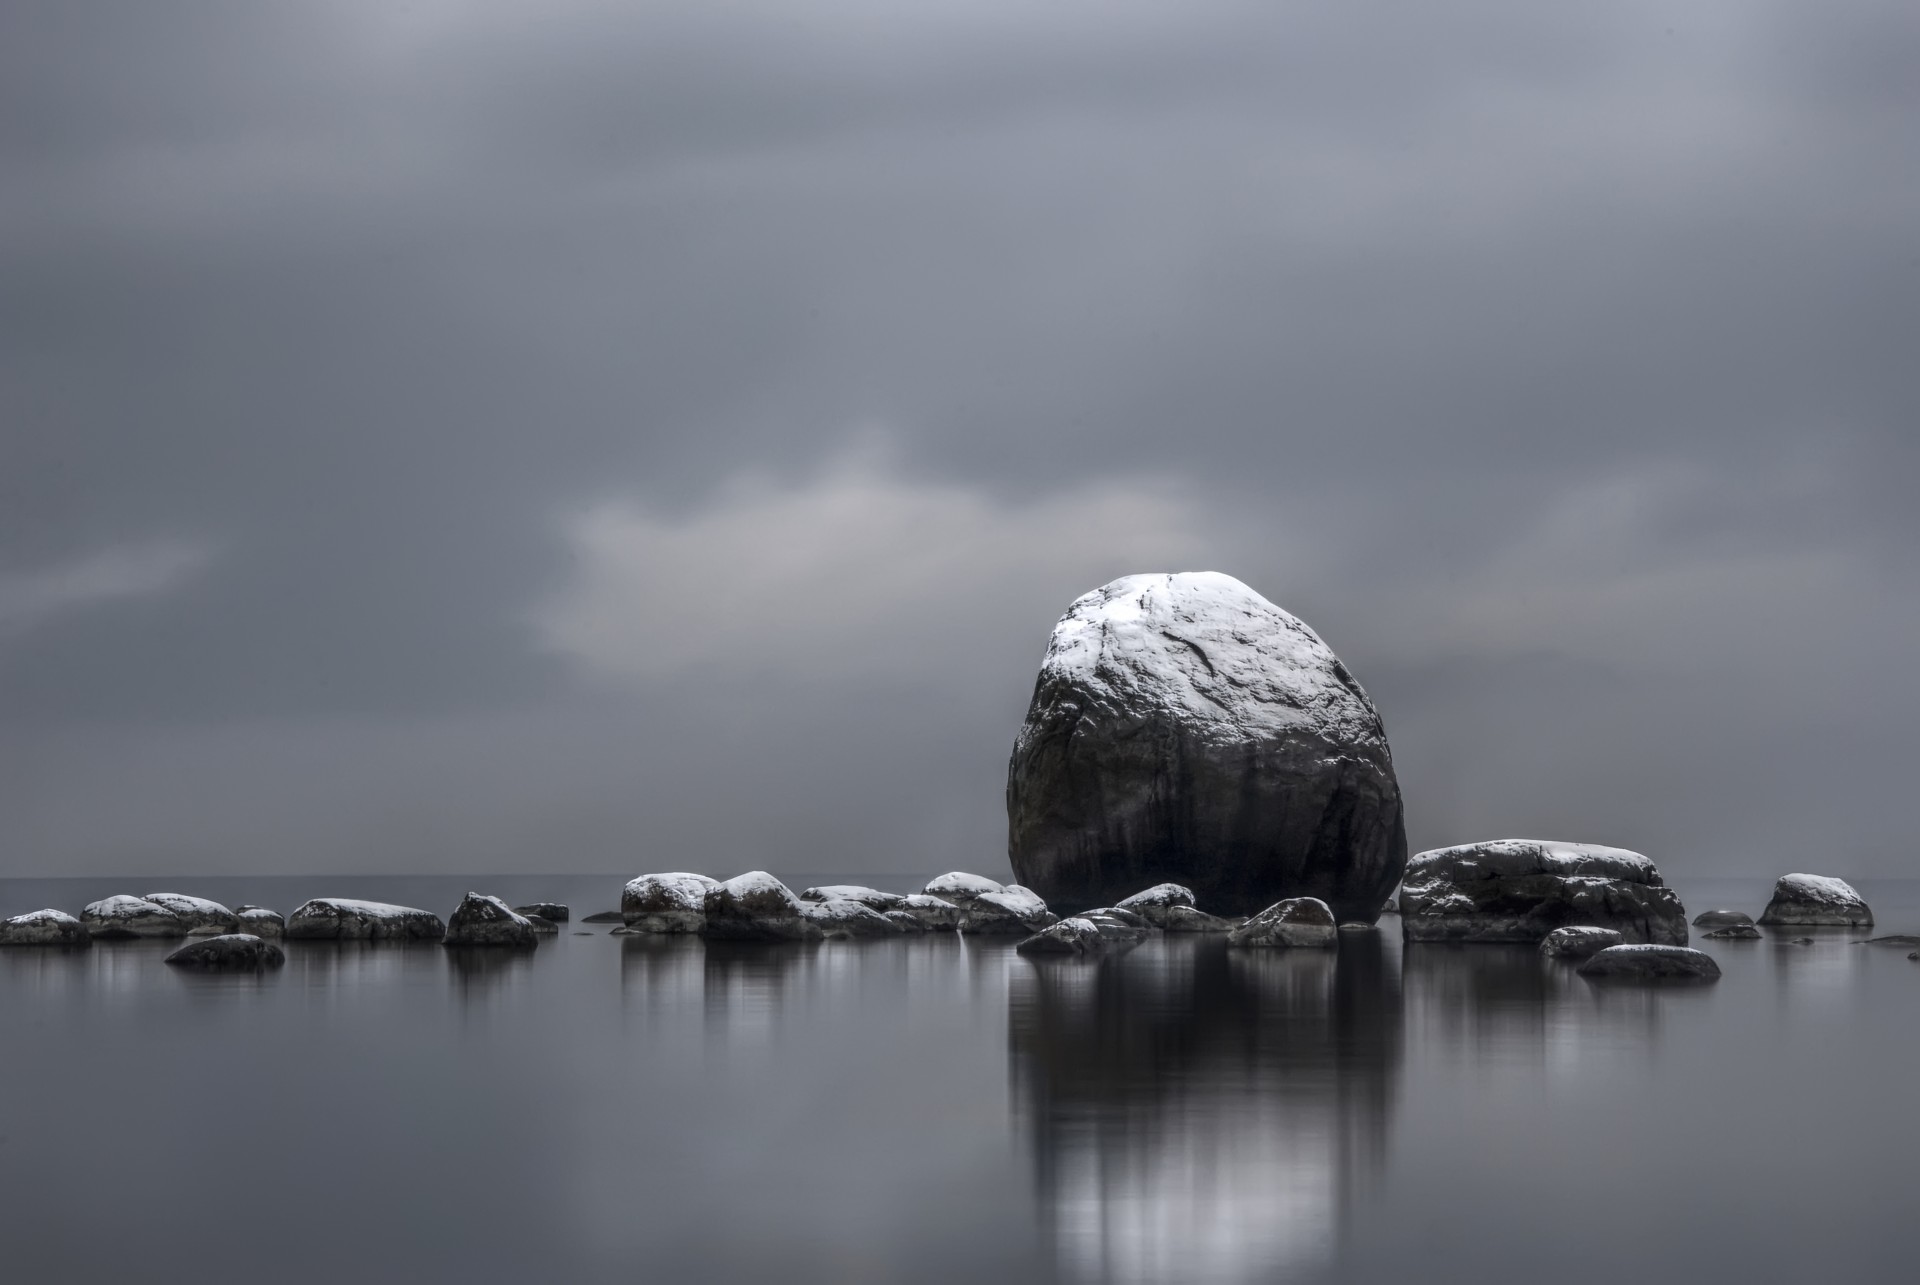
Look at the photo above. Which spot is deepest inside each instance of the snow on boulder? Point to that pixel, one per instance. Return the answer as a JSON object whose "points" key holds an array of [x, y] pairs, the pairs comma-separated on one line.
{"points": [[1297, 921], [1519, 890], [551, 911], [842, 919], [1011, 910], [674, 902], [345, 919], [1185, 729], [1579, 942], [1187, 919], [228, 952], [756, 907], [961, 888], [44, 928], [1644, 962], [1075, 935], [201, 916], [1816, 900], [1153, 904], [934, 914], [871, 898], [260, 921], [123, 916], [480, 920]]}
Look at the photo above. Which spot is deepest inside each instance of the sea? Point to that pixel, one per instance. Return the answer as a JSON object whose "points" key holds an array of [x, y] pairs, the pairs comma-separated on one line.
{"points": [[613, 1108]]}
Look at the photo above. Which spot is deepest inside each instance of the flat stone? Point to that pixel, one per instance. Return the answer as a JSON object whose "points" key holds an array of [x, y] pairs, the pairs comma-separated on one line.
{"points": [[1893, 939], [228, 952], [44, 928], [1519, 890], [1816, 901], [1733, 932], [604, 917], [551, 911], [346, 919], [1722, 919], [123, 916], [480, 920], [1578, 942], [1299, 922], [1642, 962]]}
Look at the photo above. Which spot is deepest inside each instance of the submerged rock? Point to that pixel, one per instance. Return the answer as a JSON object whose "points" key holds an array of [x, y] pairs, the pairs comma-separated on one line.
{"points": [[674, 902], [551, 911], [123, 916], [260, 921], [933, 914], [1097, 932], [480, 920], [1011, 910], [961, 888], [605, 917], [842, 919], [345, 919], [1297, 922], [1519, 890], [756, 907], [1816, 901], [197, 913], [1893, 939], [871, 898], [1186, 919], [1733, 932], [44, 928], [1722, 919], [1578, 942], [234, 952], [1185, 729], [1643, 962]]}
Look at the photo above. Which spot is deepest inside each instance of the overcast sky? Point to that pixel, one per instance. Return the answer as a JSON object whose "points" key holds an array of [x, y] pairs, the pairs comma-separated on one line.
{"points": [[616, 437]]}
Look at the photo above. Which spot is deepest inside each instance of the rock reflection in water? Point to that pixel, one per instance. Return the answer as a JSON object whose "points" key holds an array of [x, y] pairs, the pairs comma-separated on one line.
{"points": [[1200, 1113]]}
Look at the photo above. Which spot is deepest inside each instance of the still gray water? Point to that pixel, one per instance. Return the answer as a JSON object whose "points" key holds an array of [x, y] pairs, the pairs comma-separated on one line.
{"points": [[944, 1109]]}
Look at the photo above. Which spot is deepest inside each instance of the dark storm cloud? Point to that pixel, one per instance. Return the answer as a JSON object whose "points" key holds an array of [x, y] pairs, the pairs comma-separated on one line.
{"points": [[1556, 366]]}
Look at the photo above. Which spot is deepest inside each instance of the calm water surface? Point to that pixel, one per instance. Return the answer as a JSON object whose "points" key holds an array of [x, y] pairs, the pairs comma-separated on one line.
{"points": [[935, 1109]]}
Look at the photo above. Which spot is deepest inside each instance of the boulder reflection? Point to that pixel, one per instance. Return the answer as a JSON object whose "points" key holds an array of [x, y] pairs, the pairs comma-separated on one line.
{"points": [[1204, 1114]]}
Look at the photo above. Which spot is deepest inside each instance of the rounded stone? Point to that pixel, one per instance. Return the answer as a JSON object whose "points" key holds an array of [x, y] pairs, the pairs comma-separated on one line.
{"points": [[1578, 942], [1296, 922], [480, 920], [44, 928], [1641, 962], [228, 952], [1816, 901]]}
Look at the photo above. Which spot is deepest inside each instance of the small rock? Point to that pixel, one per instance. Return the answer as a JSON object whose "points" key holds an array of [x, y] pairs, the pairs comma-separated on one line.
{"points": [[197, 913], [1733, 932], [1799, 941], [1076, 935], [44, 928], [756, 907], [229, 952], [551, 911], [1391, 906], [117, 917], [842, 920], [1578, 942], [1647, 963], [1355, 926], [1296, 922], [480, 920], [260, 921], [871, 898], [345, 919], [1816, 900], [673, 902], [1722, 919], [1893, 939], [960, 887], [907, 923]]}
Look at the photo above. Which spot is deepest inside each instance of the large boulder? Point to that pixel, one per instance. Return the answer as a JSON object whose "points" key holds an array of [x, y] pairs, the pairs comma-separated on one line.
{"points": [[228, 952], [480, 920], [756, 907], [1184, 729], [1297, 921], [202, 917], [123, 916], [1641, 962], [1816, 901], [345, 919], [1519, 890], [960, 888], [44, 928], [673, 902]]}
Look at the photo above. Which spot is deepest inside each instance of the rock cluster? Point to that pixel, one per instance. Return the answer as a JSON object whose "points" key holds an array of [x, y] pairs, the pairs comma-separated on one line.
{"points": [[124, 916], [200, 916], [1816, 901], [1519, 890]]}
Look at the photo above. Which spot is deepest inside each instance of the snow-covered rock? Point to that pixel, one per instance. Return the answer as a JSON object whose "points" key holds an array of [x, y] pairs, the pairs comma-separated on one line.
{"points": [[1297, 921], [1722, 919], [1013, 909], [44, 928], [1186, 919], [480, 920], [871, 898], [228, 952], [1185, 729], [125, 916], [1519, 890], [674, 902], [756, 906], [1644, 962], [960, 888], [197, 913], [1153, 904], [551, 911], [1075, 935], [841, 919], [1732, 932], [345, 919], [1816, 900], [934, 914], [260, 921], [1578, 942]]}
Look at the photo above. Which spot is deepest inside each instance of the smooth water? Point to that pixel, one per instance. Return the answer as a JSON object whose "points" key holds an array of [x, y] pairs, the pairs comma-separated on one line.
{"points": [[943, 1109]]}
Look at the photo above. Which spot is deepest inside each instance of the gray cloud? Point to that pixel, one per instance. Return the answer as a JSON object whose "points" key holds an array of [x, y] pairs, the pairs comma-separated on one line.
{"points": [[1555, 366]]}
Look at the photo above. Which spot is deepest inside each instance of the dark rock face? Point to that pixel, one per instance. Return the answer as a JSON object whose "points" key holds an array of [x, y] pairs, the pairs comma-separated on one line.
{"points": [[480, 920], [1519, 890], [1646, 963], [344, 919], [1578, 943], [1298, 922], [1013, 910], [1733, 932], [1184, 729], [1096, 932], [228, 952], [551, 911], [1816, 901], [259, 921], [116, 917], [44, 928], [674, 902], [1722, 919]]}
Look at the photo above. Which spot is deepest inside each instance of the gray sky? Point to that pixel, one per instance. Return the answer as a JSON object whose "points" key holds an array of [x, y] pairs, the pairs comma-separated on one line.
{"points": [[466, 437]]}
